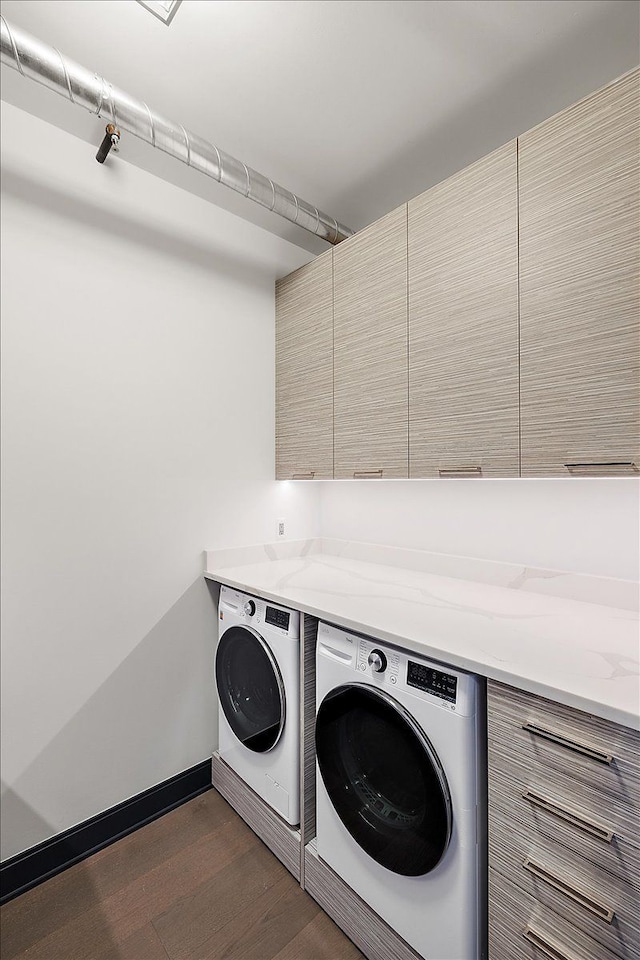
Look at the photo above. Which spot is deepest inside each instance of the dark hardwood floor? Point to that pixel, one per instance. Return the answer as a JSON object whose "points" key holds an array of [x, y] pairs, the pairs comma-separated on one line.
{"points": [[197, 884]]}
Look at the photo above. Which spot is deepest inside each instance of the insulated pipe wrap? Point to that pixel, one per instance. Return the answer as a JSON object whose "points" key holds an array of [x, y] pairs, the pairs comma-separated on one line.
{"points": [[46, 65]]}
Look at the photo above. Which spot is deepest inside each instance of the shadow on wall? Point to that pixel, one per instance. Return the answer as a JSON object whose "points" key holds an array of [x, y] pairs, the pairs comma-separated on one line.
{"points": [[153, 717], [558, 75], [213, 259]]}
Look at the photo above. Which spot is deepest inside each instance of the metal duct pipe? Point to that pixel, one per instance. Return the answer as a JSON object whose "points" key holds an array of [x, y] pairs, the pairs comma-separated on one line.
{"points": [[38, 61]]}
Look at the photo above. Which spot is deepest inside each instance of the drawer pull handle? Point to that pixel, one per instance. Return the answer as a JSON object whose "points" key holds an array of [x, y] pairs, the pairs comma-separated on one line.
{"points": [[545, 947], [603, 913], [611, 466], [366, 474], [453, 472], [588, 826], [304, 476], [563, 741]]}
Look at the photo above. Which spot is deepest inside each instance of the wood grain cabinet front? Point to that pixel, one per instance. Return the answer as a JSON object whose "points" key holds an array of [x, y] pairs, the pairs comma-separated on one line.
{"points": [[370, 351], [491, 327], [463, 323], [564, 834], [579, 187], [304, 372]]}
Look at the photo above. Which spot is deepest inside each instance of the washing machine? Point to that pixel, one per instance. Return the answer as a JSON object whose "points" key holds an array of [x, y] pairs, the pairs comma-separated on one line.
{"points": [[401, 789], [257, 669]]}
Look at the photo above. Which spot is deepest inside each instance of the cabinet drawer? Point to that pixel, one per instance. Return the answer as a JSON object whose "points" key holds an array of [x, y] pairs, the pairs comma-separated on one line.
{"points": [[573, 752], [522, 929], [605, 907], [587, 827]]}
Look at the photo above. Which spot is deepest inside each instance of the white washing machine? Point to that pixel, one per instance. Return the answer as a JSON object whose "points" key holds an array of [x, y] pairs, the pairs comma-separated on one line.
{"points": [[258, 681], [401, 790]]}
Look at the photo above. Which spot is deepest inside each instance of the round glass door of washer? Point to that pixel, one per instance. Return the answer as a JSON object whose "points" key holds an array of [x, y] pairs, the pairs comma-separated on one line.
{"points": [[384, 779], [250, 689]]}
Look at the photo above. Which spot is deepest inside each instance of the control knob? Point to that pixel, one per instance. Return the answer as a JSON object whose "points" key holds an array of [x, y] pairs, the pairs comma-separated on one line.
{"points": [[249, 608], [377, 661]]}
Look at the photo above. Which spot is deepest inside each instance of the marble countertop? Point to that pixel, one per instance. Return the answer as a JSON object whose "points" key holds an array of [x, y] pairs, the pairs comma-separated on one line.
{"points": [[531, 629]]}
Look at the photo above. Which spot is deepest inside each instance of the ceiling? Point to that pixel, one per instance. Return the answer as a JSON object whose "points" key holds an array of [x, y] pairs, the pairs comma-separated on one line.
{"points": [[355, 105]]}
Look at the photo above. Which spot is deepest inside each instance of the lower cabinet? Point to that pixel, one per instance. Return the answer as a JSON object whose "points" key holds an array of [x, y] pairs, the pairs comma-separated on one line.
{"points": [[520, 928], [564, 833]]}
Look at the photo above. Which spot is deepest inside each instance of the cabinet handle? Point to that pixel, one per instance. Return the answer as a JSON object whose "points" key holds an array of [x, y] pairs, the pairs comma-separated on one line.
{"points": [[564, 813], [603, 913], [366, 474], [545, 947], [304, 476], [460, 472], [563, 741], [616, 466]]}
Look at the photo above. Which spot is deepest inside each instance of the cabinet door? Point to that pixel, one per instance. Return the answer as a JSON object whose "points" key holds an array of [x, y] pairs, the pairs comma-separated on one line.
{"points": [[370, 358], [463, 323], [579, 287], [304, 372]]}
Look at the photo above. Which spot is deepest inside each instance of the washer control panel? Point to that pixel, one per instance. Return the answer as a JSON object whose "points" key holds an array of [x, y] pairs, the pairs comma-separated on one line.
{"points": [[277, 617], [236, 607], [402, 672], [424, 677], [373, 660]]}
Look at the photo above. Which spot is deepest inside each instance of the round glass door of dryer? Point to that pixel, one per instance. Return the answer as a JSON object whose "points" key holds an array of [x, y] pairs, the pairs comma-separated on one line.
{"points": [[250, 689], [384, 779]]}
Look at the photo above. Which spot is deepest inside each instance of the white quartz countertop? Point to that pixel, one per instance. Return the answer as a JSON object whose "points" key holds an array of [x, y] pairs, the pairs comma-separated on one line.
{"points": [[582, 654]]}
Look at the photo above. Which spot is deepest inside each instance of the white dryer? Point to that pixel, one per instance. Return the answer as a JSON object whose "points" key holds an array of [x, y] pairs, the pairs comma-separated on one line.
{"points": [[401, 790], [257, 671]]}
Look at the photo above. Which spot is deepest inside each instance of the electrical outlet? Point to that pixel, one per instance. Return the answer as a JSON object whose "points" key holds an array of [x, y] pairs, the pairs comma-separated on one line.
{"points": [[281, 528]]}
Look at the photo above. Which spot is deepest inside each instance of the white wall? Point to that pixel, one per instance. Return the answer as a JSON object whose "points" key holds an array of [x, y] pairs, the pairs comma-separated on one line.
{"points": [[138, 396], [583, 525]]}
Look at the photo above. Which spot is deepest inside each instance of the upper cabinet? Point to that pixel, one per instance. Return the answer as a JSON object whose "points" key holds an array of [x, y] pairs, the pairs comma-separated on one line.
{"points": [[463, 323], [370, 351], [304, 372], [579, 287], [491, 328]]}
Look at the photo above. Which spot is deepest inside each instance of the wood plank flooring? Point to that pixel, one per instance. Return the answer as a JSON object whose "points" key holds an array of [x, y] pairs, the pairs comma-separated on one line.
{"points": [[197, 884]]}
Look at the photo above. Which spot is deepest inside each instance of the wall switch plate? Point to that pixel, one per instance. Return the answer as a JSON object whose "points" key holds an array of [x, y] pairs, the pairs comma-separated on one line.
{"points": [[281, 528]]}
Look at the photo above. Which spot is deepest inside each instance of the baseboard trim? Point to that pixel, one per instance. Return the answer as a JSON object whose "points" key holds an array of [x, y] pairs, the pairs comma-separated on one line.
{"points": [[39, 863]]}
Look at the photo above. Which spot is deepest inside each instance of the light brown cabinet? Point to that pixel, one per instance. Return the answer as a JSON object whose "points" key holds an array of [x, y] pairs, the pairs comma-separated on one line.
{"points": [[564, 841], [304, 372], [491, 327], [579, 191], [463, 322], [370, 351]]}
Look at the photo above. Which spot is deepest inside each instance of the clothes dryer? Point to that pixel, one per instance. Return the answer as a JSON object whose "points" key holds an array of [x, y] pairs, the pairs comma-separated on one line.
{"points": [[401, 789], [257, 669]]}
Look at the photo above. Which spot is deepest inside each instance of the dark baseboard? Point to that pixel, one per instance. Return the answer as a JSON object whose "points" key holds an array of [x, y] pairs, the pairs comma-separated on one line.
{"points": [[31, 867]]}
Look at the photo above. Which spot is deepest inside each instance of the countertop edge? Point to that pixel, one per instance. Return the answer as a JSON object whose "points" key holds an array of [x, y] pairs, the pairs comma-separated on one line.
{"points": [[578, 702]]}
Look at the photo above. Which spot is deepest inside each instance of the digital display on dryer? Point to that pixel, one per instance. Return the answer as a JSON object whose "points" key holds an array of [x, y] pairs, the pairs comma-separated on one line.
{"points": [[277, 618], [432, 681]]}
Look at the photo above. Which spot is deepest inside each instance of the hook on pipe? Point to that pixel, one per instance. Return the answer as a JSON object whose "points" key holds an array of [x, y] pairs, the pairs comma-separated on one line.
{"points": [[110, 142]]}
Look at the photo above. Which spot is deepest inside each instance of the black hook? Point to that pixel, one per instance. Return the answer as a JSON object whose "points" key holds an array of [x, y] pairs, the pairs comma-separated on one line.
{"points": [[111, 139]]}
